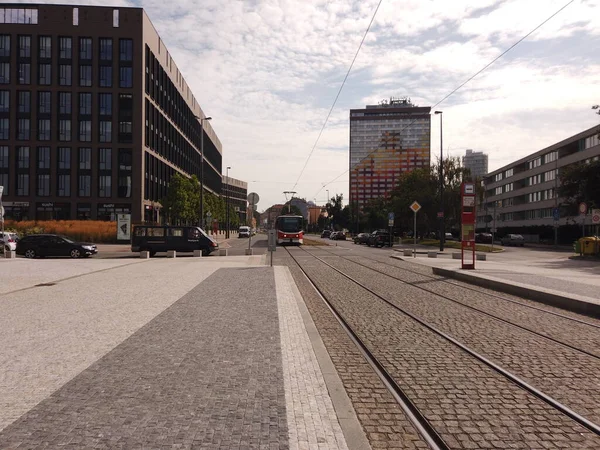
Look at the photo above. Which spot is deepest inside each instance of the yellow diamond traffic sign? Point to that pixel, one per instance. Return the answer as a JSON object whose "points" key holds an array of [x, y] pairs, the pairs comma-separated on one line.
{"points": [[415, 206]]}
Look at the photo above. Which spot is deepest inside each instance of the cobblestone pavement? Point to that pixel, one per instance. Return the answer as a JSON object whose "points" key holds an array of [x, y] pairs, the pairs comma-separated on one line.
{"points": [[384, 423], [227, 365], [470, 405]]}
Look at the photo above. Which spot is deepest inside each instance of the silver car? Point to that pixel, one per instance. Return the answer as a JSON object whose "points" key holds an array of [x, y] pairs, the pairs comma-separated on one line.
{"points": [[8, 241], [513, 239]]}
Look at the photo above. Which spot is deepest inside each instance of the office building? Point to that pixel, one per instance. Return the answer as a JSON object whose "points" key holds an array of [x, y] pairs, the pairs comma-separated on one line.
{"points": [[385, 141], [95, 116], [236, 191], [523, 194], [476, 162]]}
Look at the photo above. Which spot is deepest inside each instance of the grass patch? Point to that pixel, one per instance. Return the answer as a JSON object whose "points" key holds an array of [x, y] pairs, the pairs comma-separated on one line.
{"points": [[96, 231], [313, 242], [454, 244]]}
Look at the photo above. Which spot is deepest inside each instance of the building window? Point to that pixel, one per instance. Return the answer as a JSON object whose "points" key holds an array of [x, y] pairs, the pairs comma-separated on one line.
{"points": [[64, 75], [43, 129], [550, 157], [125, 133], [104, 185], [4, 101], [45, 74], [125, 50], [85, 104], [85, 75], [4, 157], [106, 49], [4, 182], [24, 46], [64, 130], [85, 48], [44, 103], [22, 184], [22, 157], [23, 129], [105, 159], [65, 45], [85, 185], [124, 187], [105, 104], [126, 77], [85, 130], [4, 73], [4, 129], [498, 190], [19, 15], [64, 103], [64, 158], [45, 49], [105, 131], [43, 185], [43, 161], [85, 158], [5, 45], [105, 76], [64, 185], [509, 173], [24, 73]]}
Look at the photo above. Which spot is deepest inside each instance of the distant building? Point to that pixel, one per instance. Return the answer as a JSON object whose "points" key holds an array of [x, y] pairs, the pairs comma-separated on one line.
{"points": [[267, 218], [237, 193], [476, 162], [385, 141]]}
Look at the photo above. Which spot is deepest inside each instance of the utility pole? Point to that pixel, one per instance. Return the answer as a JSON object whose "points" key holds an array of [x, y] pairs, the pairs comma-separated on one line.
{"points": [[291, 198], [441, 213]]}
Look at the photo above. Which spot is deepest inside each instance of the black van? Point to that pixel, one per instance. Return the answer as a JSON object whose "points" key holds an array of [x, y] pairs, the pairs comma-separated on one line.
{"points": [[163, 238]]}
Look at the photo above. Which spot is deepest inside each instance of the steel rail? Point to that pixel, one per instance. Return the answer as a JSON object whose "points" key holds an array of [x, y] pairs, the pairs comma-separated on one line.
{"points": [[510, 376]]}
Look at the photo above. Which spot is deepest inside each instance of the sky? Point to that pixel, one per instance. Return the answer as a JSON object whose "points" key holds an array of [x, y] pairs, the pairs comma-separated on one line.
{"points": [[268, 71]]}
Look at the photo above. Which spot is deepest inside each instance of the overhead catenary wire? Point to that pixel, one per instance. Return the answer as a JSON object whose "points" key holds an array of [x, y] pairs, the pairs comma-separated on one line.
{"points": [[338, 95], [464, 82]]}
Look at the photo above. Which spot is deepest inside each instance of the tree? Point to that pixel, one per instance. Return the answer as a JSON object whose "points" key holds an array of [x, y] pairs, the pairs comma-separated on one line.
{"points": [[182, 202], [580, 183], [334, 211]]}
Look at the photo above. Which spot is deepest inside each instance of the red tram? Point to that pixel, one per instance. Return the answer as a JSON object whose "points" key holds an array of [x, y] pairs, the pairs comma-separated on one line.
{"points": [[289, 229]]}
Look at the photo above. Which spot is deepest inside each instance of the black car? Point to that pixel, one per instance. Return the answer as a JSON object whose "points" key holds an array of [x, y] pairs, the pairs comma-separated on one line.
{"points": [[338, 236], [361, 238], [54, 245], [483, 238], [326, 233], [379, 238], [162, 238]]}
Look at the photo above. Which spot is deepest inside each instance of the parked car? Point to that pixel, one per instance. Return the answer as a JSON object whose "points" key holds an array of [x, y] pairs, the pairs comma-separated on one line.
{"points": [[244, 232], [54, 245], [332, 235], [325, 233], [449, 237], [483, 238], [379, 238], [361, 238], [339, 236], [8, 241], [513, 239]]}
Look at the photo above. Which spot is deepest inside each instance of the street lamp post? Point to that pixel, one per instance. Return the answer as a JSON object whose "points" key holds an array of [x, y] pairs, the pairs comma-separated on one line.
{"points": [[227, 201], [441, 213], [201, 120]]}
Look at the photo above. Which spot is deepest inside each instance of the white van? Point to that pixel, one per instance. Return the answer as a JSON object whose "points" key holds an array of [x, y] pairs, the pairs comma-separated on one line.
{"points": [[244, 232]]}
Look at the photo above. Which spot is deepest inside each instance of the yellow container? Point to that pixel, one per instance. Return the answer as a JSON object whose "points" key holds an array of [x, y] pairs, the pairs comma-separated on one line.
{"points": [[590, 245]]}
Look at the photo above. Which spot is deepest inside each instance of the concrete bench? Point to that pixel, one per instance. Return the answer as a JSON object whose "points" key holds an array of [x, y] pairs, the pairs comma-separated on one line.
{"points": [[481, 256], [222, 252], [432, 254], [407, 252], [456, 255], [11, 254], [198, 253], [171, 254], [145, 254]]}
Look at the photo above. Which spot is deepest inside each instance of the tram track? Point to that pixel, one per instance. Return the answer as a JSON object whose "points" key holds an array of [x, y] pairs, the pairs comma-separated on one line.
{"points": [[555, 404], [417, 285]]}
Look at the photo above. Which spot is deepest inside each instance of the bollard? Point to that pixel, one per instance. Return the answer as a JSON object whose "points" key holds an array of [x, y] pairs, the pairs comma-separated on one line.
{"points": [[456, 255], [198, 253], [407, 252], [432, 254], [223, 252], [481, 257], [145, 254], [171, 254], [249, 251]]}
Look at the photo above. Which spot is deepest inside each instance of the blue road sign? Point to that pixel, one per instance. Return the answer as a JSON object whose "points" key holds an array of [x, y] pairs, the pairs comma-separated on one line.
{"points": [[555, 213], [391, 216]]}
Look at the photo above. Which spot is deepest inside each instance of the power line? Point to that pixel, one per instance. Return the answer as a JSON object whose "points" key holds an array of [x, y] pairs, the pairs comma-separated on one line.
{"points": [[464, 83], [338, 95]]}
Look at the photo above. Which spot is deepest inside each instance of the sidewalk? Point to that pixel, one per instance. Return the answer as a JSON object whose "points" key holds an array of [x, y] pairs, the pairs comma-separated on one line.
{"points": [[163, 353], [558, 281]]}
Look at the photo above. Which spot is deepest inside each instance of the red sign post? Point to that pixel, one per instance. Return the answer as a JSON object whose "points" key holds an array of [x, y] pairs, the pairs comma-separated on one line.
{"points": [[467, 248]]}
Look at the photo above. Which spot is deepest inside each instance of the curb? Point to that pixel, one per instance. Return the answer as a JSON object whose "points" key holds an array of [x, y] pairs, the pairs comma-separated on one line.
{"points": [[574, 303]]}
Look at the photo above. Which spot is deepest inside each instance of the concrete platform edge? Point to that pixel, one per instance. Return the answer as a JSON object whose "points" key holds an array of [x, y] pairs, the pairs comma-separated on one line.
{"points": [[351, 427], [569, 303]]}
